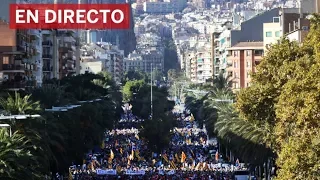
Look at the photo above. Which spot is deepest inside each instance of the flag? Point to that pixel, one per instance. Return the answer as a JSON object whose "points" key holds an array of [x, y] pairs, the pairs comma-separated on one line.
{"points": [[192, 153], [173, 165], [103, 145], [165, 158], [132, 154], [70, 175], [217, 156], [183, 157], [137, 136], [192, 118], [177, 157], [121, 150], [111, 154], [138, 155]]}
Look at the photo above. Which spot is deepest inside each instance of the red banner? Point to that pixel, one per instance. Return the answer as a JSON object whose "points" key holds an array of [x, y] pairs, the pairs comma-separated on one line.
{"points": [[70, 16]]}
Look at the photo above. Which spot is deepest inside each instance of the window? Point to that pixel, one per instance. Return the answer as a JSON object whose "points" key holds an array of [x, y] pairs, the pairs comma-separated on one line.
{"points": [[268, 46], [235, 64], [5, 60], [248, 63], [248, 74], [236, 85], [269, 34], [276, 19], [235, 75], [277, 33], [248, 84], [248, 52], [235, 53]]}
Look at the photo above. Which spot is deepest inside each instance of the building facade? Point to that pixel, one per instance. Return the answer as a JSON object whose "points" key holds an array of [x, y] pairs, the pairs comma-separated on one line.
{"points": [[242, 61]]}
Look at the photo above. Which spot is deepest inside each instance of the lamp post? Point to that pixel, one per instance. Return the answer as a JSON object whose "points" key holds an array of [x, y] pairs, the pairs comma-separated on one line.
{"points": [[151, 105]]}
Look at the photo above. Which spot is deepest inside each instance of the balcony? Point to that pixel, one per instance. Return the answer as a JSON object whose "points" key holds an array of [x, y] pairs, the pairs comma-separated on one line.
{"points": [[13, 68], [35, 34], [47, 69], [21, 48], [46, 56], [13, 85], [66, 47], [69, 39], [47, 43]]}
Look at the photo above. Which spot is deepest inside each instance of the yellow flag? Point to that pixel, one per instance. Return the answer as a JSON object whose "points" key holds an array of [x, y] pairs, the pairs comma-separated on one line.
{"points": [[177, 157], [138, 154], [70, 175], [111, 154], [165, 158], [137, 136], [192, 117], [183, 157], [102, 145], [132, 154]]}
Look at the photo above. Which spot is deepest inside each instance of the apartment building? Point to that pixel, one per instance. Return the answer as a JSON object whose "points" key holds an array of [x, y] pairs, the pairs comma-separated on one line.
{"points": [[203, 65], [271, 33], [199, 66], [134, 62], [164, 7], [20, 54], [66, 52], [298, 30], [102, 56], [242, 60]]}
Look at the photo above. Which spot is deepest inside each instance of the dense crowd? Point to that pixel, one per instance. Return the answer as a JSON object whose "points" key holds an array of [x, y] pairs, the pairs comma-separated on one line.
{"points": [[123, 155]]}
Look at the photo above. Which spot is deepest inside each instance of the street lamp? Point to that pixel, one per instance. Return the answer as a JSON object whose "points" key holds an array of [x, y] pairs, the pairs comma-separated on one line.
{"points": [[151, 105]]}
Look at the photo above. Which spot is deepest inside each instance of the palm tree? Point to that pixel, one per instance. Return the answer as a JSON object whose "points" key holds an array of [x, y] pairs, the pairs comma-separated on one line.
{"points": [[17, 158], [222, 82], [19, 105]]}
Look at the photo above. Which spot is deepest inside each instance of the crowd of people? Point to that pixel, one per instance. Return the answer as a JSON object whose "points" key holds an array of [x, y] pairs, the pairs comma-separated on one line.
{"points": [[124, 155]]}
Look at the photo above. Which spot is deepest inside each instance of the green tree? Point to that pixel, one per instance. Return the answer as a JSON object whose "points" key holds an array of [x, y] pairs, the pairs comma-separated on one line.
{"points": [[157, 132], [18, 157], [19, 105], [172, 74], [135, 75], [284, 97]]}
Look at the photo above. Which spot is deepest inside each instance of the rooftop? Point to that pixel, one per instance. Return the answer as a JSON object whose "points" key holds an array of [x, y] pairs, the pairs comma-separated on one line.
{"points": [[248, 45]]}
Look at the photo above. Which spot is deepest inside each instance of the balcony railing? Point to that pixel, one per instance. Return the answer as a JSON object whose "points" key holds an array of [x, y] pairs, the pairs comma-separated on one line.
{"points": [[47, 43], [13, 85], [47, 56], [47, 69], [12, 67]]}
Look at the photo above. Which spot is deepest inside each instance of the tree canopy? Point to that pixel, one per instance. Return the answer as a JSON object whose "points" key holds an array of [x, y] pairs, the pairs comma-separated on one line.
{"points": [[155, 130], [284, 96], [54, 141]]}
